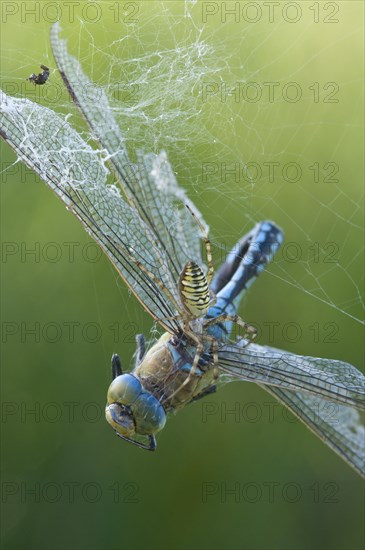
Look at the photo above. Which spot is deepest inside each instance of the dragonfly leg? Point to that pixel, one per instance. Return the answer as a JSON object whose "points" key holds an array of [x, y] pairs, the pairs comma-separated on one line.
{"points": [[152, 444], [116, 366], [214, 347], [215, 358], [206, 391], [141, 349]]}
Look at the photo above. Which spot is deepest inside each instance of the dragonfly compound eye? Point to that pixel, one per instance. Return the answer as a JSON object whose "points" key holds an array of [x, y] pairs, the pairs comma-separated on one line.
{"points": [[121, 419], [124, 389], [149, 414]]}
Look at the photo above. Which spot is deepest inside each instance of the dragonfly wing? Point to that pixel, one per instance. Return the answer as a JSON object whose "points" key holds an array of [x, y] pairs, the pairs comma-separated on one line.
{"points": [[149, 184], [77, 174], [326, 378], [338, 426], [168, 215]]}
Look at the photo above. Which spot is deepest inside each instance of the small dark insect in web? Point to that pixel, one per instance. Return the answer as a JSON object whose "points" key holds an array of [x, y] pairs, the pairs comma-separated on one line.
{"points": [[40, 78]]}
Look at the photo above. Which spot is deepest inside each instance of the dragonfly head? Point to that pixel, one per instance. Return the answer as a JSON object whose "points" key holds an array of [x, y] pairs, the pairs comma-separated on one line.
{"points": [[132, 411]]}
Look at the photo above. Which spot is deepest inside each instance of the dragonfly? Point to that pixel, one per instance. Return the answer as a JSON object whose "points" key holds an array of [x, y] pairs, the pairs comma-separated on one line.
{"points": [[153, 233]]}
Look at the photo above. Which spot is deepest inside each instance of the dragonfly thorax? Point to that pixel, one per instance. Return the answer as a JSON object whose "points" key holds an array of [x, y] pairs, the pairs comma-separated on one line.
{"points": [[194, 291]]}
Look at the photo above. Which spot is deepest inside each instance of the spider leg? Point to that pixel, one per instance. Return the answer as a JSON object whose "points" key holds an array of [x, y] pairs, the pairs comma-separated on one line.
{"points": [[151, 275], [177, 317], [213, 298], [250, 331], [208, 248]]}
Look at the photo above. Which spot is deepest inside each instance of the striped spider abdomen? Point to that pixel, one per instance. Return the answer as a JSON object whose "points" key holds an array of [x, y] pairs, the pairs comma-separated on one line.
{"points": [[194, 290]]}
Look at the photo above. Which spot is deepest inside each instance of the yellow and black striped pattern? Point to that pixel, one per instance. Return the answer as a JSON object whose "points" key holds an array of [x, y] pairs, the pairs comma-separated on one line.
{"points": [[194, 291]]}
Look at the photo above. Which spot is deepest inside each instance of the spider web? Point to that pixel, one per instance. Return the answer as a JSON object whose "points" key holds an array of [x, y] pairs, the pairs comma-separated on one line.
{"points": [[173, 72]]}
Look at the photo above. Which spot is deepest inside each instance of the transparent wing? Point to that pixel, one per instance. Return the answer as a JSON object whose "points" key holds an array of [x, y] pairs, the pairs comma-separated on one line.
{"points": [[320, 392], [77, 174], [149, 184], [167, 215], [326, 378], [338, 426]]}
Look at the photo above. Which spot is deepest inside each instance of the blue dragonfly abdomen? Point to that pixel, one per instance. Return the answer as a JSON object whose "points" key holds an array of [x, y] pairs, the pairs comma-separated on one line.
{"points": [[243, 265]]}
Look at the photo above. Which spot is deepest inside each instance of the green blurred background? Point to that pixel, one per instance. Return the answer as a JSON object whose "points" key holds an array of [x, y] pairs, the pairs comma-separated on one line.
{"points": [[92, 491]]}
